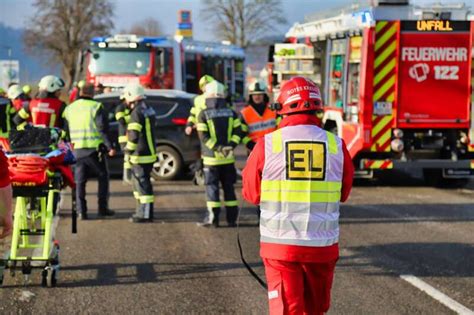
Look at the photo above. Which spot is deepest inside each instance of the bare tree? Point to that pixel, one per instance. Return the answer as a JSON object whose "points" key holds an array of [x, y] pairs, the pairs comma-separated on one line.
{"points": [[64, 27], [147, 27], [243, 21]]}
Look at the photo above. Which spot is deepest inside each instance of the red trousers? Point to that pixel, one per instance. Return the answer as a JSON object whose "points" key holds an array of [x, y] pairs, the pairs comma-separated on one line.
{"points": [[298, 287]]}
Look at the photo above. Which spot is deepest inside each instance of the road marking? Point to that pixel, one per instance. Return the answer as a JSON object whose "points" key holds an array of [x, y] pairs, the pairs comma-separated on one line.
{"points": [[437, 295]]}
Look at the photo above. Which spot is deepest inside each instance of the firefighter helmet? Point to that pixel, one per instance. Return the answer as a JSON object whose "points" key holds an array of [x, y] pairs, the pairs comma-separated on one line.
{"points": [[26, 89], [257, 87], [298, 95], [51, 84], [205, 79], [215, 89], [14, 91], [133, 92]]}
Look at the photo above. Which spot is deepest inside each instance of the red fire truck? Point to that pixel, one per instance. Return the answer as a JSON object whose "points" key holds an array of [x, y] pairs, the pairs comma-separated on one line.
{"points": [[163, 63], [396, 80]]}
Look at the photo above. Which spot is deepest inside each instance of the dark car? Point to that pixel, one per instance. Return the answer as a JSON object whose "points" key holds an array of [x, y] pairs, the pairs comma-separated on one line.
{"points": [[175, 150]]}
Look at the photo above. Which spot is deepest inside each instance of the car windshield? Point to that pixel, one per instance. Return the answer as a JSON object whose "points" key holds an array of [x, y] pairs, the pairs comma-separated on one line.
{"points": [[119, 62]]}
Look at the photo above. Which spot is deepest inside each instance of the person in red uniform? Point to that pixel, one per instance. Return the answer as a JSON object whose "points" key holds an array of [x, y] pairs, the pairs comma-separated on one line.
{"points": [[46, 109], [5, 198], [298, 175]]}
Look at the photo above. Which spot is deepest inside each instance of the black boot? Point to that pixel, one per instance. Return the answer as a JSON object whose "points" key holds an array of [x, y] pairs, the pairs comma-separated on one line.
{"points": [[231, 215]]}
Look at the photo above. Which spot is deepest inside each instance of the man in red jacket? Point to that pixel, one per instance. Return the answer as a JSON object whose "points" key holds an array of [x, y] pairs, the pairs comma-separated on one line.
{"points": [[298, 175], [5, 198]]}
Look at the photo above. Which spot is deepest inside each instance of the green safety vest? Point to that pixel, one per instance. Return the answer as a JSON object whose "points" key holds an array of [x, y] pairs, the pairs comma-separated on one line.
{"points": [[83, 131]]}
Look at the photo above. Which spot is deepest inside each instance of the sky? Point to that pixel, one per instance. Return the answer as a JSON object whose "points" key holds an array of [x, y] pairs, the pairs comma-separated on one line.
{"points": [[15, 13]]}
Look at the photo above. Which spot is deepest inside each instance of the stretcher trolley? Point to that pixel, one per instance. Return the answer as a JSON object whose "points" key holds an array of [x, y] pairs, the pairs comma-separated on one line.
{"points": [[37, 179]]}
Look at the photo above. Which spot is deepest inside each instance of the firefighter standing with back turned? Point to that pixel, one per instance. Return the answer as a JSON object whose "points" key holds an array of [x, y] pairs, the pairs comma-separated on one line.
{"points": [[141, 150], [299, 174], [86, 127], [220, 132], [46, 109]]}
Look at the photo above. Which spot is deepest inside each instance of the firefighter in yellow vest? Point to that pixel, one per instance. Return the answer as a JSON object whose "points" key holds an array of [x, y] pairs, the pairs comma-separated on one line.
{"points": [[86, 126], [257, 118], [141, 149]]}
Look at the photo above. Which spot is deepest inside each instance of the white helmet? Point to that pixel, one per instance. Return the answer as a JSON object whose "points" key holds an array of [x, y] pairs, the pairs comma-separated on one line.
{"points": [[133, 92], [214, 89], [257, 87], [14, 91], [50, 83]]}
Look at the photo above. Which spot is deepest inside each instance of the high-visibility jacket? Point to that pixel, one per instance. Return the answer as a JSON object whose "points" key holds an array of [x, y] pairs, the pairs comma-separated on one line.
{"points": [[7, 112], [256, 125], [141, 135], [265, 182], [81, 122], [301, 187], [44, 112], [122, 115], [198, 106], [218, 127]]}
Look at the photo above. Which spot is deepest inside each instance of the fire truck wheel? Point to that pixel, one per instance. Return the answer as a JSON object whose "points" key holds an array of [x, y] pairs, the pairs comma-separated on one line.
{"points": [[435, 178], [169, 164]]}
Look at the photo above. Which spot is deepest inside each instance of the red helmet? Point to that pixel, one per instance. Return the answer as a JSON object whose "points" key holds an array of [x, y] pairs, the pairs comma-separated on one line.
{"points": [[299, 95]]}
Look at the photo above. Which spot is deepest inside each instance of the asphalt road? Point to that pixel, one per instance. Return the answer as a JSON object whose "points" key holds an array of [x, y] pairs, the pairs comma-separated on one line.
{"points": [[173, 266]]}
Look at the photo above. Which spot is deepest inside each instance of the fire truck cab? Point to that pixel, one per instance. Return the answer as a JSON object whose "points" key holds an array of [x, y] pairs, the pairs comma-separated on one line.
{"points": [[396, 81], [163, 63]]}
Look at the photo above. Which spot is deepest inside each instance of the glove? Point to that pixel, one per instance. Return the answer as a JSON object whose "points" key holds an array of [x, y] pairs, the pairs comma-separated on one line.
{"points": [[227, 151]]}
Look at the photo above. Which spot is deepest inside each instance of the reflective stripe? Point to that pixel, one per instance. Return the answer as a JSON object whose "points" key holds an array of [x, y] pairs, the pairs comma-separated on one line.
{"points": [[149, 138], [202, 127], [136, 195], [300, 196], [134, 159], [23, 114], [213, 204], [298, 207], [235, 138], [245, 128], [231, 203], [246, 140], [230, 129], [122, 139], [147, 199], [212, 135], [236, 123], [276, 141], [332, 144], [119, 115], [210, 143], [294, 185], [285, 224], [262, 125], [212, 161], [52, 120], [131, 146], [320, 239], [134, 126]]}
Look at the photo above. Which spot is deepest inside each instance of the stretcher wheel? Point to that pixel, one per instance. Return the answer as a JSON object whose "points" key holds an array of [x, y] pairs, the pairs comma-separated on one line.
{"points": [[48, 277]]}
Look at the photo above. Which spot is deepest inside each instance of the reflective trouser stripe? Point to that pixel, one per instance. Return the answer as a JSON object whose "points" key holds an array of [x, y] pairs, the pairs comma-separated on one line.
{"points": [[217, 161], [231, 203], [135, 159], [213, 204], [136, 195], [147, 199]]}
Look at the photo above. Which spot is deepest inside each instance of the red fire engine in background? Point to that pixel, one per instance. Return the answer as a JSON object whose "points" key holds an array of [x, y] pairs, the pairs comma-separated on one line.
{"points": [[397, 84], [163, 63]]}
